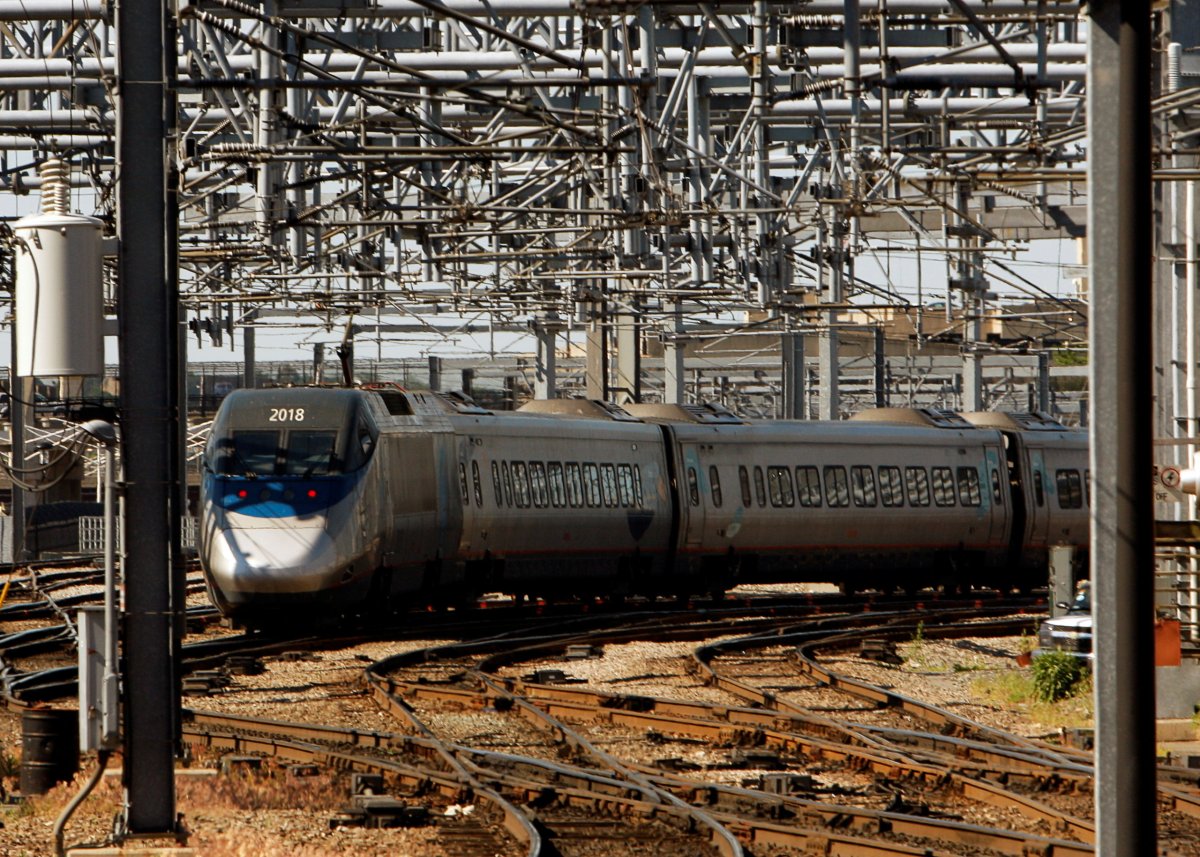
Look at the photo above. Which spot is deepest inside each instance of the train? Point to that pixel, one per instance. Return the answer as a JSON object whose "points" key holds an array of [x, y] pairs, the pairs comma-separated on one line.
{"points": [[329, 501]]}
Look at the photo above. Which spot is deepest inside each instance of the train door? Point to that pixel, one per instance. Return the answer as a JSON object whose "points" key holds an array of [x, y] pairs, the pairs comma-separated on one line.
{"points": [[1018, 496], [995, 486], [1037, 492], [691, 497]]}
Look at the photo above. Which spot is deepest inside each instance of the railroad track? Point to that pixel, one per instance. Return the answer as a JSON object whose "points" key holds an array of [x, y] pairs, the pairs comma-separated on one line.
{"points": [[562, 768]]}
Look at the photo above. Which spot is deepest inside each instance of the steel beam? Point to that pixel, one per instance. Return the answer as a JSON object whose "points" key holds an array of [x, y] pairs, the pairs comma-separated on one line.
{"points": [[1120, 241], [148, 300]]}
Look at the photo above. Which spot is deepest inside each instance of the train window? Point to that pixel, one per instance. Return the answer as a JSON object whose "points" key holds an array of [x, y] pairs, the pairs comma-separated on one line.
{"points": [[968, 487], [248, 453], [508, 491], [837, 489], [693, 487], [496, 484], [744, 479], [916, 482], [1039, 492], [608, 484], [537, 481], [311, 453], [808, 485], [760, 490], [779, 483], [478, 484], [714, 484], [520, 475], [591, 484], [1070, 489], [625, 484], [997, 494], [558, 493], [365, 442], [943, 486], [462, 484], [638, 500], [891, 486], [574, 486], [862, 485]]}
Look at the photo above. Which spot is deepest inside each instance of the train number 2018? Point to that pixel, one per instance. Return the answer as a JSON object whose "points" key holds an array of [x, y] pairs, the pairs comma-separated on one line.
{"points": [[286, 415]]}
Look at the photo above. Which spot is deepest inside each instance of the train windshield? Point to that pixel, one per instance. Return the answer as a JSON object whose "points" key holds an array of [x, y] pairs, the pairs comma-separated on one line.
{"points": [[274, 453], [310, 453]]}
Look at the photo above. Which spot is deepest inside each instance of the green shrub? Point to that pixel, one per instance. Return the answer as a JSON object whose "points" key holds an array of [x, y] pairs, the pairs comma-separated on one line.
{"points": [[1056, 676]]}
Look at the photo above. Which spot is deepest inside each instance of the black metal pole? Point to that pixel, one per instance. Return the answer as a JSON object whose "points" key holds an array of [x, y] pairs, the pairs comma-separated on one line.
{"points": [[147, 313], [1120, 241]]}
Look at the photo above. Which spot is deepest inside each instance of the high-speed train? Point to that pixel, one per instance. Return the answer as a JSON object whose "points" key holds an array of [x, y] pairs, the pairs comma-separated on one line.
{"points": [[322, 500]]}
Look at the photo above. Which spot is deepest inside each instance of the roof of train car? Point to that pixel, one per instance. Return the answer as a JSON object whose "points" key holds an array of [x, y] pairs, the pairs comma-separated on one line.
{"points": [[690, 423], [250, 407]]}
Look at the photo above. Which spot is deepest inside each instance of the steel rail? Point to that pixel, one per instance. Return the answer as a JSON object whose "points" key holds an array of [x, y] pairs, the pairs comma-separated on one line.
{"points": [[729, 802], [548, 717], [550, 714], [514, 821], [385, 691]]}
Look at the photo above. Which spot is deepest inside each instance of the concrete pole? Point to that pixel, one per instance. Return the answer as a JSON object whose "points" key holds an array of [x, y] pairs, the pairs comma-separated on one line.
{"points": [[596, 359], [1120, 243]]}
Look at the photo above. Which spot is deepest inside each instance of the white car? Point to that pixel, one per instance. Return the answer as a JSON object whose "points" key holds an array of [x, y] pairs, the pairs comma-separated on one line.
{"points": [[1071, 632]]}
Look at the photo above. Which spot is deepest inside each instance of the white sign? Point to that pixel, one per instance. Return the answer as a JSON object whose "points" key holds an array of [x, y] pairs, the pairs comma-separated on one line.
{"points": [[1168, 484]]}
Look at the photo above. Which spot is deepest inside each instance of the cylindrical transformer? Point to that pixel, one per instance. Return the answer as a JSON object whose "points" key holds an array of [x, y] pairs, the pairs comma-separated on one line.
{"points": [[59, 295]]}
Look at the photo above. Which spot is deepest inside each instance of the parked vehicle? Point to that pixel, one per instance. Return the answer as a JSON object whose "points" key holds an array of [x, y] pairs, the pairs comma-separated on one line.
{"points": [[1071, 632]]}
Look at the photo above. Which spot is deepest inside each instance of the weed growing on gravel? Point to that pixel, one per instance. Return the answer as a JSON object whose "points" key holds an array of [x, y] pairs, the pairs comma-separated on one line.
{"points": [[1056, 675], [103, 802], [259, 791], [1006, 688], [10, 765], [1015, 688]]}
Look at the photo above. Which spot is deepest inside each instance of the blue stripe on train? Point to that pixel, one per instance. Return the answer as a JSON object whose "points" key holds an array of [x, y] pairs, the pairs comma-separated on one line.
{"points": [[278, 498]]}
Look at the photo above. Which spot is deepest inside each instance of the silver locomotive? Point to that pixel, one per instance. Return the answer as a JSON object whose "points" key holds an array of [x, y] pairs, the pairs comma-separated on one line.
{"points": [[325, 501]]}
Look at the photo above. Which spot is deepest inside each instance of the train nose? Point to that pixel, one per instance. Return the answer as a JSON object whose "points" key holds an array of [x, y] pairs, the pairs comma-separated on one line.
{"points": [[282, 560]]}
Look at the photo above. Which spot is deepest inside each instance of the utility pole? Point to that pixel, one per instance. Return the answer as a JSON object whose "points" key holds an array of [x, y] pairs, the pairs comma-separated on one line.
{"points": [[149, 309], [1120, 242]]}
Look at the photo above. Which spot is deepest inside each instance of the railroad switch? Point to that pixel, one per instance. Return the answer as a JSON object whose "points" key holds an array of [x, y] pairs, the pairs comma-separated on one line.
{"points": [[204, 682], [379, 811], [787, 784], [244, 665], [629, 702], [1080, 737], [550, 677], [756, 759], [298, 656], [877, 649], [676, 764], [233, 763], [583, 651], [366, 784]]}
